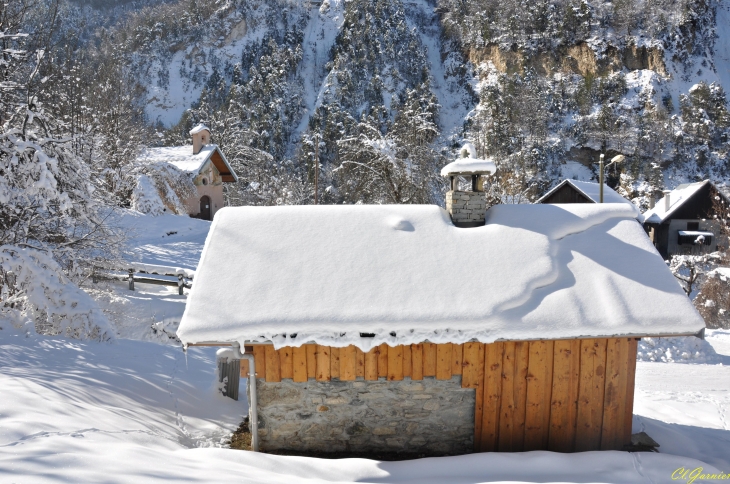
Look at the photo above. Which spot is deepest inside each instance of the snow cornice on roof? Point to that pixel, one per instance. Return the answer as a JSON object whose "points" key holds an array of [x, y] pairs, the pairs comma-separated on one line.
{"points": [[328, 274], [182, 157]]}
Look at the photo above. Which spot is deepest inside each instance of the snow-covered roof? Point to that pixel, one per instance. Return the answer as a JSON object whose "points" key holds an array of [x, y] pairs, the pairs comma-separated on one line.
{"points": [[200, 127], [677, 198], [469, 166], [405, 274], [591, 190], [183, 158]]}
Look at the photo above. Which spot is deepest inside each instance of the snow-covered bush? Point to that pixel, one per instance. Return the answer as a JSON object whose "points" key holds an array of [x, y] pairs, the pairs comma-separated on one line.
{"points": [[682, 349], [713, 300], [33, 289], [161, 188]]}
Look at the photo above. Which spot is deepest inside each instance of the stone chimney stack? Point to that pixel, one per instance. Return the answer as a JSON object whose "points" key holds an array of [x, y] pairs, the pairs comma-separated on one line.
{"points": [[667, 200], [201, 137], [467, 208]]}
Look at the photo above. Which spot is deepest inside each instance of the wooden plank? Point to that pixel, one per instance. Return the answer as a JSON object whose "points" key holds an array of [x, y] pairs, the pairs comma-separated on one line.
{"points": [[457, 353], [590, 394], [286, 361], [395, 363], [522, 356], [417, 362], [311, 361], [360, 364], [299, 363], [322, 356], [348, 363], [407, 361], [371, 364], [564, 396], [614, 397], [443, 361], [630, 385], [259, 359], [429, 359], [539, 388], [493, 355], [507, 402], [383, 360], [472, 363], [244, 368], [334, 362], [479, 403], [273, 369]]}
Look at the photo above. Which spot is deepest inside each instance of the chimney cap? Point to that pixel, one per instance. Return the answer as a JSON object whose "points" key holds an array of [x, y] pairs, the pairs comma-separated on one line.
{"points": [[200, 127], [469, 164]]}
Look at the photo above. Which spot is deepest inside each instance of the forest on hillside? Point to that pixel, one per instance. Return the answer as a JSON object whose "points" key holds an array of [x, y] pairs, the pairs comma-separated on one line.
{"points": [[372, 97]]}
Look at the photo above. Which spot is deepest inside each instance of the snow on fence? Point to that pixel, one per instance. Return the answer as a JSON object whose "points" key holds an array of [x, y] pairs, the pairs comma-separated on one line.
{"points": [[184, 276]]}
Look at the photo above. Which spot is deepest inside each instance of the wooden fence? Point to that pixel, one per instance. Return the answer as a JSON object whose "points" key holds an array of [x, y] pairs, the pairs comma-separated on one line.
{"points": [[564, 395], [129, 274]]}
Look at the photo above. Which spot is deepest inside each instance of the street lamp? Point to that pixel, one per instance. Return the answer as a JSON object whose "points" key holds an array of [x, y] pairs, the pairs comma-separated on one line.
{"points": [[616, 159]]}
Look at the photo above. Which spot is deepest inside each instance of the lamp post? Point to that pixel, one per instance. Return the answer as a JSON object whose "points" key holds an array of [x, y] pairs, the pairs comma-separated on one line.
{"points": [[615, 159]]}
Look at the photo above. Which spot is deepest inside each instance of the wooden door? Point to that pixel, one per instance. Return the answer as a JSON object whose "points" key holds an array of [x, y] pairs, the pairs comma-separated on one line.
{"points": [[205, 207]]}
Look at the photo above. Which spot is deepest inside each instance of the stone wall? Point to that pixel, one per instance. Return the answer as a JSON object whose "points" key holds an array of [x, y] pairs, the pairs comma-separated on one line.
{"points": [[466, 207], [430, 417]]}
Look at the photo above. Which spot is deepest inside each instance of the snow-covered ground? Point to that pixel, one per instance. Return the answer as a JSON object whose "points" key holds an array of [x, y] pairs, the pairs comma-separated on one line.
{"points": [[140, 411]]}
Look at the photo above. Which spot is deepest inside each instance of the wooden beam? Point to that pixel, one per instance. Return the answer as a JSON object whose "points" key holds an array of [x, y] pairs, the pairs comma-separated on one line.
{"points": [[299, 363], [493, 355], [259, 358], [407, 361], [564, 397], [472, 363], [383, 360], [273, 368], [589, 419], [479, 400], [334, 362], [417, 362], [429, 359], [322, 356], [244, 369], [614, 397], [443, 361], [539, 389], [286, 362], [507, 407], [371, 364], [360, 365], [348, 363], [457, 353], [311, 361], [630, 386], [395, 363]]}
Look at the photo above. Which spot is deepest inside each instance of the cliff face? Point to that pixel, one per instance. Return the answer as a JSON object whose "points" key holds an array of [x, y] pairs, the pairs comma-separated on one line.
{"points": [[579, 58]]}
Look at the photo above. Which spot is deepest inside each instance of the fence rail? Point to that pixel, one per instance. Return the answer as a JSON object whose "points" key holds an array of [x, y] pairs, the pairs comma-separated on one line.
{"points": [[184, 276]]}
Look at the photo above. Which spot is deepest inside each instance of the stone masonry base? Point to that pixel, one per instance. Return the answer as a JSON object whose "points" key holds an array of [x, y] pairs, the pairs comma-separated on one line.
{"points": [[432, 417], [466, 207]]}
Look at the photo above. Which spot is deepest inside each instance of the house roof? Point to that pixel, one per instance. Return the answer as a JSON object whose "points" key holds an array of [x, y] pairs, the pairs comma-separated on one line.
{"points": [[677, 197], [590, 190], [183, 158], [405, 274]]}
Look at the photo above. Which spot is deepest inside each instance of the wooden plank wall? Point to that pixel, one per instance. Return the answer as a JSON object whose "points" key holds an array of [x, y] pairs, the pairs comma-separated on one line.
{"points": [[564, 396]]}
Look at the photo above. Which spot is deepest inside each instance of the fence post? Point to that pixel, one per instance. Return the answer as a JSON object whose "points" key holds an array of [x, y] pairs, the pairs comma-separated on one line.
{"points": [[180, 284], [131, 279]]}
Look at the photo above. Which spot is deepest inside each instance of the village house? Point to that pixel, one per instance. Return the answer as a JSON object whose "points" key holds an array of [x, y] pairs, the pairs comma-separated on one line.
{"points": [[415, 330], [206, 163], [575, 191], [684, 221]]}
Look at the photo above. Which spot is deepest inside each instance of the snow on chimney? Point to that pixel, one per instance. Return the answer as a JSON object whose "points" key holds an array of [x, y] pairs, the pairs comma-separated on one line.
{"points": [[467, 208], [201, 137], [667, 201]]}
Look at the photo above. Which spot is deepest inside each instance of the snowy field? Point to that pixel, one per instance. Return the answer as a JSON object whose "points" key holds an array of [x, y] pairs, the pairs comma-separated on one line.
{"points": [[143, 411]]}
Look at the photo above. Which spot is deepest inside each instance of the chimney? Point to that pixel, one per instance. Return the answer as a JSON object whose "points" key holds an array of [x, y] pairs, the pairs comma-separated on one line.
{"points": [[652, 200], [467, 208], [201, 137], [667, 201]]}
